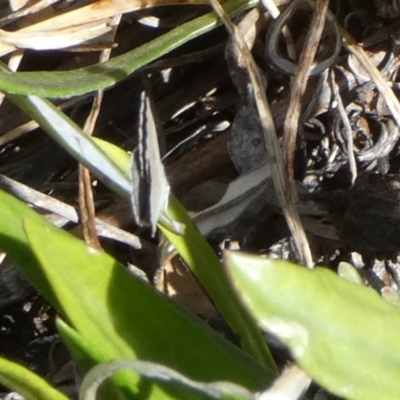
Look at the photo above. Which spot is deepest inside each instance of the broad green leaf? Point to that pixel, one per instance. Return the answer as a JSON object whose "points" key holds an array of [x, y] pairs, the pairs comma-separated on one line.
{"points": [[119, 313], [205, 265], [23, 381], [82, 349], [122, 386], [165, 383], [343, 335], [192, 246], [107, 74]]}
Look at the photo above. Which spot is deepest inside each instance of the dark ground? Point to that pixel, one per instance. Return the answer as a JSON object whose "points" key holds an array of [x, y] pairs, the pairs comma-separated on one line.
{"points": [[366, 215]]}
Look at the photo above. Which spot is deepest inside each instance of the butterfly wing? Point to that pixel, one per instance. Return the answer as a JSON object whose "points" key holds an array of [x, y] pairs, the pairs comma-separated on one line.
{"points": [[150, 185]]}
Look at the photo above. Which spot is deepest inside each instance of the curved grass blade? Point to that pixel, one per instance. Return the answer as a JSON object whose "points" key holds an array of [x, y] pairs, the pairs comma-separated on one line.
{"points": [[104, 75], [192, 246], [26, 383], [113, 309], [342, 334], [205, 265], [87, 354], [82, 147], [165, 383]]}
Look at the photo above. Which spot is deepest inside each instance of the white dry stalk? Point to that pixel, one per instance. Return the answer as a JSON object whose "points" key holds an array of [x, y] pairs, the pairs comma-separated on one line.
{"points": [[248, 27], [275, 157], [68, 213], [347, 129], [79, 25], [56, 39], [34, 8], [31, 125], [381, 83], [17, 4], [239, 195], [272, 7], [289, 386]]}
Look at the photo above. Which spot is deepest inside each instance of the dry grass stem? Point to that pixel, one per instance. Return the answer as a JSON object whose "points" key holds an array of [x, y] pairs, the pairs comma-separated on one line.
{"points": [[275, 158], [348, 132], [86, 200], [77, 26], [381, 83], [306, 60]]}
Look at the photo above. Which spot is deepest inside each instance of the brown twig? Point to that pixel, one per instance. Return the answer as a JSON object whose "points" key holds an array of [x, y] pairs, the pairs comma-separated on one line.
{"points": [[86, 202], [275, 158], [306, 60]]}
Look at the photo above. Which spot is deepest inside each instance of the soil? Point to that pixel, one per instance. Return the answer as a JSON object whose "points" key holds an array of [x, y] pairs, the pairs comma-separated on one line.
{"points": [[210, 135]]}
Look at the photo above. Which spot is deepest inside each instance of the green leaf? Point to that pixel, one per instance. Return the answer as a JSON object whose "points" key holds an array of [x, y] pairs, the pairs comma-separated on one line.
{"points": [[82, 349], [26, 383], [192, 246], [203, 262], [342, 334], [119, 156], [206, 266], [104, 75], [113, 309], [81, 146], [165, 383], [120, 387]]}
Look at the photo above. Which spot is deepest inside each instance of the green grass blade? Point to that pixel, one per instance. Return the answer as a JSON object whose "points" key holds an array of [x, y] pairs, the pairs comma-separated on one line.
{"points": [[342, 334], [84, 351], [165, 383], [26, 383], [204, 263], [192, 246], [122, 315], [104, 75], [81, 146]]}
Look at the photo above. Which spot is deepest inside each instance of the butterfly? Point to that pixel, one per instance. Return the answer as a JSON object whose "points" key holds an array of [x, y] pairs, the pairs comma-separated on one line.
{"points": [[150, 190]]}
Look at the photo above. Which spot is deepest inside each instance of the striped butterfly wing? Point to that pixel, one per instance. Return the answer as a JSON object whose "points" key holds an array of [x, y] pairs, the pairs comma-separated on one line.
{"points": [[150, 186]]}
